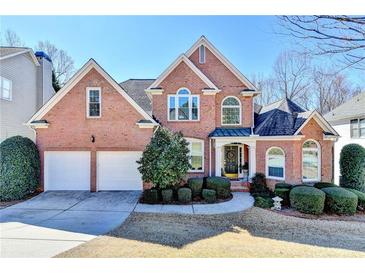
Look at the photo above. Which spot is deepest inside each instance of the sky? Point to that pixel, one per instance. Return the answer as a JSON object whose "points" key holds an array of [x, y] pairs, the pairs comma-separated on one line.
{"points": [[143, 46]]}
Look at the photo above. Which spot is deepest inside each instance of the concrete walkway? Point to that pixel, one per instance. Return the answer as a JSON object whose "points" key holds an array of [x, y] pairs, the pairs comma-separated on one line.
{"points": [[240, 202], [53, 222]]}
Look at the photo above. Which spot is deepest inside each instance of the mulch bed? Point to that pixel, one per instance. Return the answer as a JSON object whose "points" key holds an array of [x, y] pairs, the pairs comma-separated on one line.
{"points": [[196, 201]]}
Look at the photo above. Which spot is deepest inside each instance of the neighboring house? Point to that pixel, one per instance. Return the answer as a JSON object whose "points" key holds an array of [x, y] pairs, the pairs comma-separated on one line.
{"points": [[26, 84], [348, 120], [91, 133]]}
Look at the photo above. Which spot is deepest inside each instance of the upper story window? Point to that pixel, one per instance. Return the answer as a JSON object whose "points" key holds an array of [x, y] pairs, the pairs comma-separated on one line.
{"points": [[357, 128], [202, 54], [275, 163], [231, 111], [6, 89], [183, 106], [311, 161], [93, 102]]}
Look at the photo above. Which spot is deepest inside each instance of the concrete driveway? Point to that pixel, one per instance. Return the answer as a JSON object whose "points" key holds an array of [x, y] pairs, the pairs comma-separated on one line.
{"points": [[53, 222]]}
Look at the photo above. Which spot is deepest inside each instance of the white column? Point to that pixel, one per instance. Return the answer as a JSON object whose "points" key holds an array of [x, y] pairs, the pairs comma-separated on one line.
{"points": [[252, 160], [218, 159]]}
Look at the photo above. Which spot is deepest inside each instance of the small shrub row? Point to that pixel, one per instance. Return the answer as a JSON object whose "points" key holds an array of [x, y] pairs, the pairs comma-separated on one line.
{"points": [[340, 201], [307, 199], [263, 202]]}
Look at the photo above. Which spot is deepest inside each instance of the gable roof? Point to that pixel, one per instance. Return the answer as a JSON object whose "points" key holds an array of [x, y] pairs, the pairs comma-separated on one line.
{"points": [[353, 108], [136, 89], [91, 64], [204, 41], [180, 59], [9, 52], [285, 117]]}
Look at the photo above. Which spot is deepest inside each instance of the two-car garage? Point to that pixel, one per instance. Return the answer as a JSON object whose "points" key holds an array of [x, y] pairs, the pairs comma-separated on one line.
{"points": [[71, 170]]}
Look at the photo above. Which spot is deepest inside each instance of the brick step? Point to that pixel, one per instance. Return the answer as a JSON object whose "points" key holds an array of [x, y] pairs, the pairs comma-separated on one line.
{"points": [[240, 189], [240, 183]]}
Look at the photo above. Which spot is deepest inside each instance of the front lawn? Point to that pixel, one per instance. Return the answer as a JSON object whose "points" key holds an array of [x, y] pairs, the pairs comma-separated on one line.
{"points": [[253, 233]]}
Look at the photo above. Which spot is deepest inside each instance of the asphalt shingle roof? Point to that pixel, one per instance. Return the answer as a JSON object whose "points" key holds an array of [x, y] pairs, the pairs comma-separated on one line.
{"points": [[230, 132]]}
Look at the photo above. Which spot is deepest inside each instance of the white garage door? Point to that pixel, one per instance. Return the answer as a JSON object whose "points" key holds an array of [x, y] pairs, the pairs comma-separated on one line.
{"points": [[117, 170], [67, 170]]}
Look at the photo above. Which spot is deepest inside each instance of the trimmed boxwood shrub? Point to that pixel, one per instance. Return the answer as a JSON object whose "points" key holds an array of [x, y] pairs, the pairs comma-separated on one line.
{"points": [[151, 196], [283, 185], [167, 195], [360, 196], [209, 195], [283, 193], [321, 185], [196, 185], [263, 202], [19, 168], [340, 201], [221, 185], [352, 166], [307, 199], [184, 195]]}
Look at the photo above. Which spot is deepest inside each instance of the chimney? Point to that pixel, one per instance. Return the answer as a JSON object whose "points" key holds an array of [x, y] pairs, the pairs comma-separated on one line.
{"points": [[44, 78]]}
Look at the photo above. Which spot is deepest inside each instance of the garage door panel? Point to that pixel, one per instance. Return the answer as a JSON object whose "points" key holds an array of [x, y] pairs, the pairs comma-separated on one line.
{"points": [[118, 170], [67, 170]]}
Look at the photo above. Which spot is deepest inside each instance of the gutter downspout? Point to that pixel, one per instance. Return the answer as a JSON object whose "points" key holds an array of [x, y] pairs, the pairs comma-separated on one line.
{"points": [[210, 157]]}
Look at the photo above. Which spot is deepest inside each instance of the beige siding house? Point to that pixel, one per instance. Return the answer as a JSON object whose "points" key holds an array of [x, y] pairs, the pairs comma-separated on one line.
{"points": [[25, 85]]}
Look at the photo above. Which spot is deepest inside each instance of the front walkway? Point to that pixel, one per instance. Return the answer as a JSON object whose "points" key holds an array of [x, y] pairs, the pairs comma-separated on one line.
{"points": [[240, 202]]}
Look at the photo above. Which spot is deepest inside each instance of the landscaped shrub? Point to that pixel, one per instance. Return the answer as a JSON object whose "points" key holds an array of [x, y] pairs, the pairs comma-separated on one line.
{"points": [[209, 195], [340, 201], [165, 160], [259, 186], [263, 202], [321, 185], [184, 195], [19, 168], [360, 198], [196, 185], [151, 196], [352, 166], [307, 199], [283, 185], [221, 185], [283, 193], [167, 195]]}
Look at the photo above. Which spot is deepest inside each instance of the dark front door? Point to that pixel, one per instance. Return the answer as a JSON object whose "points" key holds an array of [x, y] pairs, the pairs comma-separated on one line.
{"points": [[231, 159]]}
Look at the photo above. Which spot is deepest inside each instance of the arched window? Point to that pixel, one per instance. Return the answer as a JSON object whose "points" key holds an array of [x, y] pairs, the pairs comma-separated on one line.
{"points": [[183, 106], [311, 161], [275, 163], [231, 111]]}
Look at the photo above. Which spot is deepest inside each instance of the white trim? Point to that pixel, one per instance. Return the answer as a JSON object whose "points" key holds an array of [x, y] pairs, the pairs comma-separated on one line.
{"points": [[250, 93], [190, 140], [74, 80], [38, 125], [145, 125], [261, 138], [10, 88], [321, 122], [190, 98], [154, 91], [267, 164], [88, 102], [210, 91], [30, 51], [204, 41], [319, 172], [240, 107], [185, 59]]}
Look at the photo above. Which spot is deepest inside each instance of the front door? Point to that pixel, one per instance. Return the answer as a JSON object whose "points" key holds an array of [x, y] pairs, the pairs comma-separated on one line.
{"points": [[231, 161]]}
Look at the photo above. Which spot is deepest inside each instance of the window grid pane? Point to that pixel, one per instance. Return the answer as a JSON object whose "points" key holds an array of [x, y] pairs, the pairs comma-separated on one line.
{"points": [[196, 155], [231, 116], [183, 105], [172, 110], [310, 164]]}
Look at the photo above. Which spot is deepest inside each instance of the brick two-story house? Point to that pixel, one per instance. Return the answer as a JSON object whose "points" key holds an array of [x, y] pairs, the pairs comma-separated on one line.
{"points": [[91, 133]]}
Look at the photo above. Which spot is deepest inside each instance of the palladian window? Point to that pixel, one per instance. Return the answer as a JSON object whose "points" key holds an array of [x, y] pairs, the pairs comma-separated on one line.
{"points": [[183, 106]]}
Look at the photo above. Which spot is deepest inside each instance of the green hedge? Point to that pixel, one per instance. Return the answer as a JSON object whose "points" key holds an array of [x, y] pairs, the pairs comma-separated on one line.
{"points": [[307, 199], [167, 195], [259, 186], [321, 185], [263, 202], [221, 185], [352, 166], [209, 195], [184, 195], [19, 168], [283, 185], [340, 201], [360, 196], [283, 193], [196, 185], [151, 196]]}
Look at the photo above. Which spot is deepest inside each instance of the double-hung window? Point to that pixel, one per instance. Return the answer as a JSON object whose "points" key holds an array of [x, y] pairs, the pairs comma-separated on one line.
{"points": [[196, 148], [5, 89], [183, 106], [93, 102], [357, 128]]}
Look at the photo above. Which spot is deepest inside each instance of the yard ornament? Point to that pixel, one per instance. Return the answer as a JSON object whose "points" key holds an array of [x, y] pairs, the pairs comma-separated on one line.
{"points": [[277, 203]]}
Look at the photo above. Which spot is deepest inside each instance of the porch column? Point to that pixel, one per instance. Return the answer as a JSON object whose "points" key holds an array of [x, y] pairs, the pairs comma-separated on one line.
{"points": [[252, 160], [218, 159]]}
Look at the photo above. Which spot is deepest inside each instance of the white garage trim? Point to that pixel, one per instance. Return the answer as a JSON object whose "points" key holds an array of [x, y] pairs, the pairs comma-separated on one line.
{"points": [[117, 170], [67, 170]]}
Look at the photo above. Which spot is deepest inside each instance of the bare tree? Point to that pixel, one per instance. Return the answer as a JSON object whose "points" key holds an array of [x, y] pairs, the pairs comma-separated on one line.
{"points": [[292, 73], [267, 87], [11, 39], [342, 36], [63, 64]]}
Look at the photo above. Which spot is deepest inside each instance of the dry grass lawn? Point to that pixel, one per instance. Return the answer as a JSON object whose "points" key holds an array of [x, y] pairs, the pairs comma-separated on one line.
{"points": [[254, 233]]}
